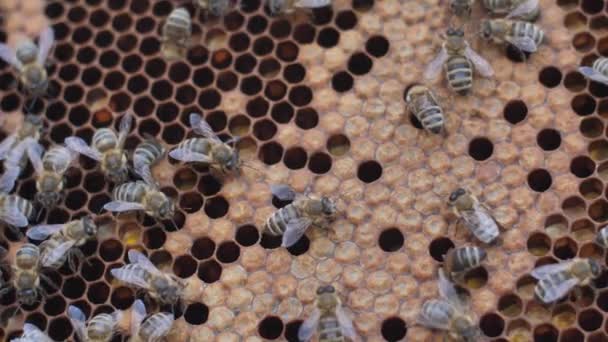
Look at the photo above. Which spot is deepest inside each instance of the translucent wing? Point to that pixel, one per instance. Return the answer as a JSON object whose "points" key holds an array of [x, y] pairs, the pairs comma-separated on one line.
{"points": [[312, 3], [447, 291], [525, 44], [432, 70], [138, 313], [50, 257], [346, 324], [127, 276], [558, 291], [6, 145], [124, 128], [481, 223], [429, 322], [593, 74], [296, 227], [78, 145], [201, 127], [34, 153], [142, 168], [45, 42], [188, 156], [13, 217], [119, 206], [522, 9], [78, 319], [481, 65], [283, 192], [43, 231], [546, 270], [8, 178], [8, 55], [137, 257], [309, 326]]}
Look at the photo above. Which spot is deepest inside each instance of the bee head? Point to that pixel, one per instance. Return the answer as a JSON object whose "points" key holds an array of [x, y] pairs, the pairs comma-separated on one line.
{"points": [[456, 194], [27, 296], [166, 209], [596, 268], [327, 298], [89, 226], [48, 199], [326, 289], [27, 52]]}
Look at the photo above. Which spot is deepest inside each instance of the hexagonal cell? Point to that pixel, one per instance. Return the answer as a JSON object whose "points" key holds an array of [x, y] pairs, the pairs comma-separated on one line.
{"points": [[549, 139], [491, 324], [583, 104], [590, 319], [510, 305], [582, 229], [539, 180], [550, 77], [598, 210], [582, 166], [519, 330], [515, 111], [538, 244], [565, 248], [573, 335]]}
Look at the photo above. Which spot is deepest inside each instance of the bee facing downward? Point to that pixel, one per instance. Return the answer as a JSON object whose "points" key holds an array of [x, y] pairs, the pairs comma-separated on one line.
{"points": [[101, 328], [462, 8], [107, 148], [422, 103], [276, 7], [293, 220], [557, 280], [29, 60], [598, 72], [26, 275], [328, 319], [475, 216], [458, 59], [176, 34], [153, 328], [31, 333], [146, 154]]}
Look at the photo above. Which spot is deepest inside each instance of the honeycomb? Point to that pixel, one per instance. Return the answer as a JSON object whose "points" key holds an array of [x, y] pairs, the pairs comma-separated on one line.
{"points": [[319, 100]]}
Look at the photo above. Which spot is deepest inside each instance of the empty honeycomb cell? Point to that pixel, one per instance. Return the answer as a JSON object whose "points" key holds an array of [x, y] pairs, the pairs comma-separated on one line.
{"points": [[328, 37], [109, 59], [319, 163], [76, 14], [68, 72], [73, 94], [209, 271], [602, 301], [37, 319], [280, 28], [575, 21], [307, 118], [481, 148], [269, 67], [167, 112], [54, 305], [257, 24], [226, 81], [60, 329], [216, 207], [476, 278], [203, 248], [275, 90], [565, 248], [549, 139], [591, 127], [122, 22], [346, 20], [598, 150], [228, 252], [97, 202], [590, 319], [239, 125], [525, 286], [359, 64], [137, 84], [251, 85], [154, 238], [270, 153], [515, 111], [92, 269], [10, 103], [538, 244], [73, 288], [391, 240], [86, 55], [61, 32], [197, 55], [221, 59], [598, 210], [162, 90], [602, 171], [94, 182], [583, 104], [282, 112], [590, 250], [583, 42], [196, 313], [191, 202], [300, 95], [592, 7], [287, 51], [539, 180], [60, 132], [369, 171], [81, 35], [145, 24], [247, 235], [209, 185], [270, 241], [110, 250], [572, 335], [598, 23], [184, 266], [342, 81], [510, 305], [75, 200], [173, 134], [582, 166], [209, 99], [575, 81], [439, 247], [56, 111], [91, 76], [300, 247], [104, 39], [393, 329], [295, 158], [54, 10], [491, 324], [239, 42], [583, 229], [149, 46], [271, 327]]}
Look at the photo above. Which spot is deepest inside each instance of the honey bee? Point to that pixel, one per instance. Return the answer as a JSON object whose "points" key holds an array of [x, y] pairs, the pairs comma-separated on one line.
{"points": [[29, 60], [557, 280], [450, 313], [146, 154], [217, 8], [26, 275], [207, 150], [328, 318], [32, 333], [63, 239], [457, 261], [101, 328], [602, 237], [422, 103], [462, 8], [458, 59], [107, 148], [141, 273], [528, 10], [293, 220], [50, 171], [16, 211], [475, 216], [139, 196], [176, 34], [525, 36], [598, 72], [153, 329], [276, 7]]}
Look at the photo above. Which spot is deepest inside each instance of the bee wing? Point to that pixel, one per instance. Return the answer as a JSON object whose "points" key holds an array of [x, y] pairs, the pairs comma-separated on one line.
{"points": [[6, 145], [481, 65], [447, 291], [312, 3], [32, 331], [45, 42], [142, 168], [50, 257], [428, 322], [34, 154], [8, 178], [189, 156], [8, 55], [123, 129], [283, 192], [546, 270], [43, 231], [128, 277], [137, 257], [201, 127], [13, 217], [78, 145], [523, 8], [296, 227], [309, 326], [346, 324], [559, 290], [138, 313], [432, 70], [119, 206], [525, 44], [593, 74], [481, 223], [78, 319]]}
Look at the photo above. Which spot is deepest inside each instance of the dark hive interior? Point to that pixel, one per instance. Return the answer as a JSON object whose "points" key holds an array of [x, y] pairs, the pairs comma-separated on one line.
{"points": [[319, 100]]}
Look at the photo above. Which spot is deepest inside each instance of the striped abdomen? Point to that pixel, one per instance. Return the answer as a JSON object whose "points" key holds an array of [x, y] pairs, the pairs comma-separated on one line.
{"points": [[25, 207], [459, 73], [498, 6], [277, 222], [178, 25], [601, 65], [465, 258], [130, 192], [49, 246], [198, 145], [329, 329], [149, 151], [104, 139], [429, 113], [157, 325], [101, 327], [438, 311], [525, 29], [57, 159], [547, 287], [602, 237]]}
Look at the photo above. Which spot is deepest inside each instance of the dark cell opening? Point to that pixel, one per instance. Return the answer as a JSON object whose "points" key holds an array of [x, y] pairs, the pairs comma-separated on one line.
{"points": [[291, 331], [599, 90], [209, 271], [264, 129], [328, 37], [393, 329], [143, 106], [583, 104], [92, 269], [307, 118], [226, 81], [122, 298], [203, 77], [239, 42], [184, 266], [73, 288], [98, 293], [575, 81], [295, 158], [228, 252], [515, 111], [173, 134], [592, 6], [263, 46], [346, 20], [545, 333], [257, 24], [203, 248], [491, 324], [270, 241], [565, 248], [363, 5], [549, 139], [99, 17], [391, 240], [377, 46], [209, 99], [216, 207], [126, 43], [319, 163], [598, 211], [342, 81], [280, 28], [439, 247], [209, 185], [137, 84], [110, 250], [54, 10], [269, 68], [251, 85], [162, 90], [359, 64], [539, 180], [270, 153], [304, 33], [60, 132], [221, 59], [257, 107], [270, 327], [550, 77], [144, 25], [74, 93], [154, 238], [247, 235], [275, 90], [91, 76], [191, 202], [294, 73], [300, 247], [582, 166], [287, 51], [233, 21], [196, 313], [186, 94], [369, 171], [282, 112], [481, 149], [150, 46], [60, 329], [300, 95]]}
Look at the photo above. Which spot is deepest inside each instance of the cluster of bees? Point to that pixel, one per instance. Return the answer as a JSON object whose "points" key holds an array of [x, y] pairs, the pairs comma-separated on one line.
{"points": [[60, 242]]}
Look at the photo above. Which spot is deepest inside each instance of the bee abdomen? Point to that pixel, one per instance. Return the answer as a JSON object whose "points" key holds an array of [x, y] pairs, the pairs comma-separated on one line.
{"points": [[149, 150], [431, 118], [25, 207], [157, 322], [497, 6], [438, 311], [53, 159], [601, 65], [277, 222], [104, 139], [129, 192], [178, 24], [547, 287], [459, 74], [101, 325], [198, 145], [526, 29], [467, 257], [329, 330]]}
